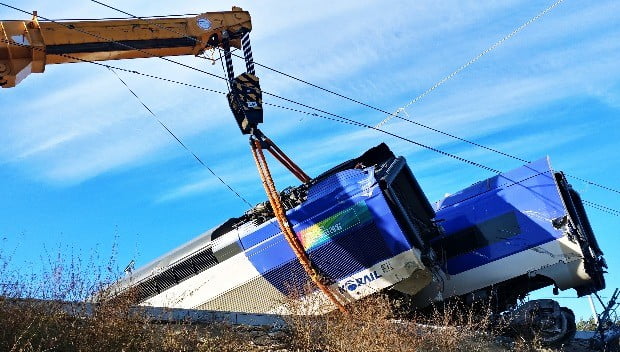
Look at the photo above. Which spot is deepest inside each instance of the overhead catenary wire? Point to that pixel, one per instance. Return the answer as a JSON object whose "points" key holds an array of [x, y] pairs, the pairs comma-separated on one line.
{"points": [[196, 40], [359, 102], [473, 60], [198, 159], [512, 156], [277, 96], [495, 45], [416, 99], [114, 69], [602, 208], [123, 45], [280, 72], [597, 206], [334, 117]]}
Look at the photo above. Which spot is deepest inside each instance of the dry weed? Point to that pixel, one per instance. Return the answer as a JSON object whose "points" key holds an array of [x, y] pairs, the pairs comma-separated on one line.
{"points": [[35, 314], [371, 325], [29, 324]]}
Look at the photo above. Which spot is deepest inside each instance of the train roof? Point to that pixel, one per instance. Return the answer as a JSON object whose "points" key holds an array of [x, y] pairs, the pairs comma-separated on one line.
{"points": [[159, 264]]}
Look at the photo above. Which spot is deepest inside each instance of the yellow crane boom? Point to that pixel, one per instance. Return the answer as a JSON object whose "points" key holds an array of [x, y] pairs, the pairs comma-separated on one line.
{"points": [[28, 46]]}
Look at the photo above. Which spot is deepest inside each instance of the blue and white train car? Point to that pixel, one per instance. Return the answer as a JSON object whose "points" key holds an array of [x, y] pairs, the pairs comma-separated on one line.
{"points": [[512, 234], [365, 225]]}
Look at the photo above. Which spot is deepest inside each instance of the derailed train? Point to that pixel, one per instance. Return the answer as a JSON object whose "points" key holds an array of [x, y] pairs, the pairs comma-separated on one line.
{"points": [[368, 227]]}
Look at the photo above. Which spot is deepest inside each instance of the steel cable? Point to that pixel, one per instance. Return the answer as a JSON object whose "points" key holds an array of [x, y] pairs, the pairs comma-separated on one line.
{"points": [[113, 68], [419, 97], [334, 117], [473, 60], [181, 142]]}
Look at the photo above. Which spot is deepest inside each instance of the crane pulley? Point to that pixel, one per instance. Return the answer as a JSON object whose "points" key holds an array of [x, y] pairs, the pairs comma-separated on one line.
{"points": [[245, 97]]}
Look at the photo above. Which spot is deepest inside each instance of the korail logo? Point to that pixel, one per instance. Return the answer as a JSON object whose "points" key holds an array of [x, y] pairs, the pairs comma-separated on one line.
{"points": [[354, 283]]}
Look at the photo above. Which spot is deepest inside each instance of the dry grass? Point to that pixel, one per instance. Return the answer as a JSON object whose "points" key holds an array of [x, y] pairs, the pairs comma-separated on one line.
{"points": [[34, 315], [32, 325], [28, 324], [371, 326]]}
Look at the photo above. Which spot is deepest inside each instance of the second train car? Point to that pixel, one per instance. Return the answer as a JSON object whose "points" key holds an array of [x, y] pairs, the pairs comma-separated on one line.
{"points": [[511, 234]]}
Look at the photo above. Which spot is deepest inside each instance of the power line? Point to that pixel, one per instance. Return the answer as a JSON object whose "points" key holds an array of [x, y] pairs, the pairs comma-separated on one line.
{"points": [[345, 120], [602, 208], [467, 64], [179, 140], [283, 98], [335, 117], [122, 18], [114, 68], [332, 117], [390, 115], [327, 90], [504, 153], [241, 57], [342, 119], [133, 48], [593, 183], [274, 95]]}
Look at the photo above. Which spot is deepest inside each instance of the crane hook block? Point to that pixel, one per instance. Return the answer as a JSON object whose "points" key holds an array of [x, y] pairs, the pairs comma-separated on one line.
{"points": [[246, 102]]}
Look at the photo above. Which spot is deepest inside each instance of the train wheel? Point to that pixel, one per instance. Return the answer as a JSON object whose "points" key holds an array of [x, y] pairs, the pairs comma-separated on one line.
{"points": [[572, 325], [561, 331], [613, 345]]}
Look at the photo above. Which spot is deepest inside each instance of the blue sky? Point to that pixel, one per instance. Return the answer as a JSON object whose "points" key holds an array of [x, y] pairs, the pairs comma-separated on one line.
{"points": [[84, 166]]}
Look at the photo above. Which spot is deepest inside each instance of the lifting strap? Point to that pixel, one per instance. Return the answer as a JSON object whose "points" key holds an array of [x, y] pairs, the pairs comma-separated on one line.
{"points": [[281, 157], [285, 226], [245, 100]]}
